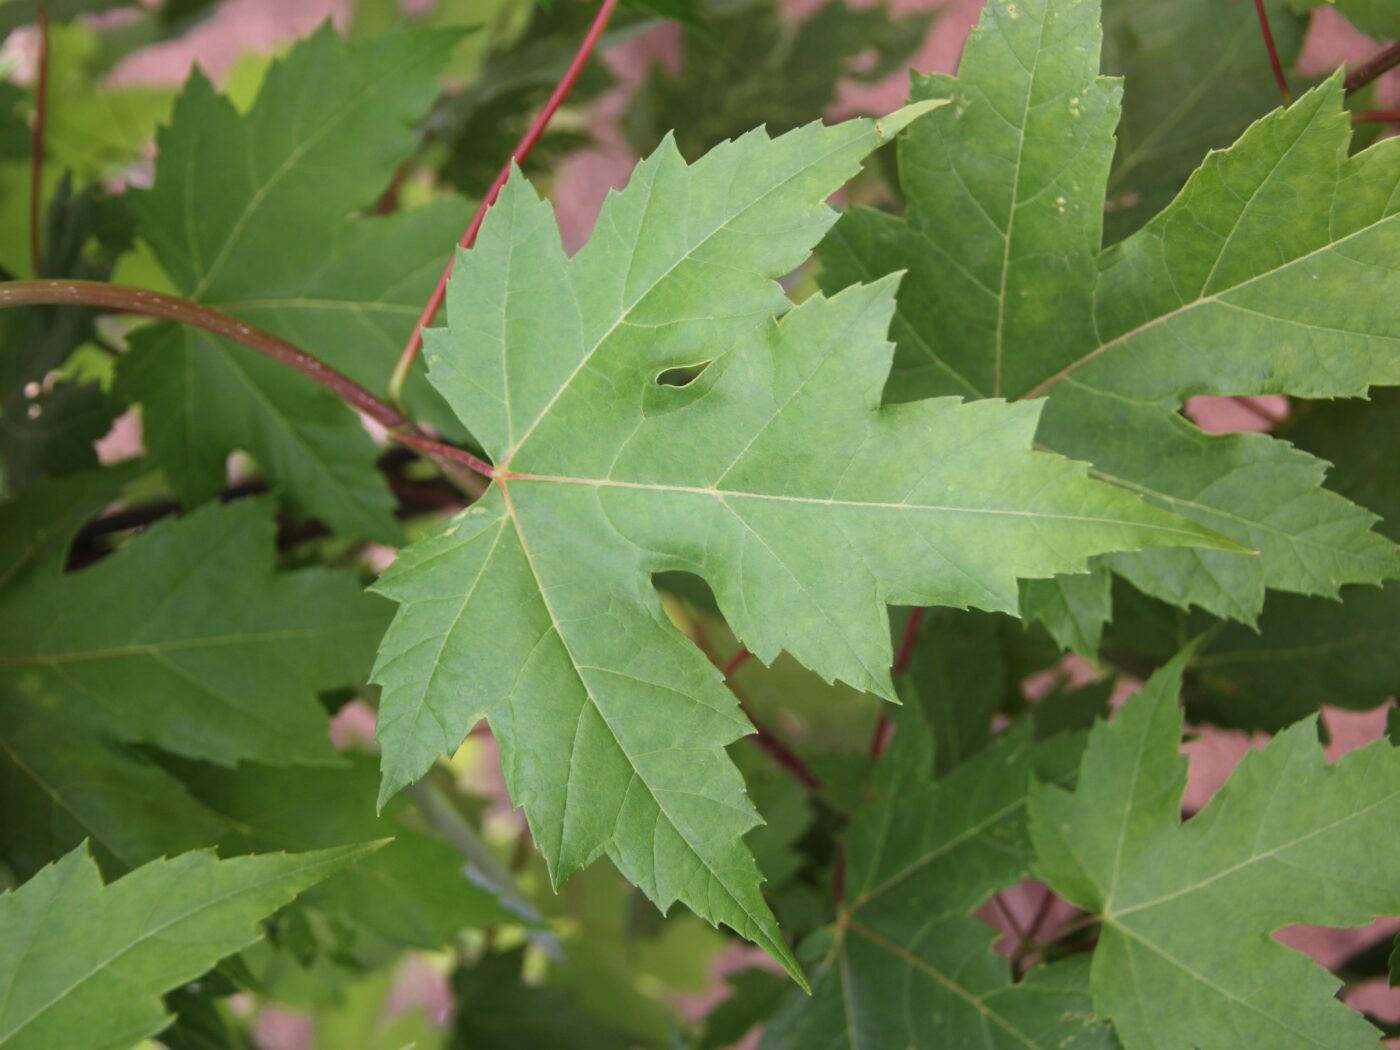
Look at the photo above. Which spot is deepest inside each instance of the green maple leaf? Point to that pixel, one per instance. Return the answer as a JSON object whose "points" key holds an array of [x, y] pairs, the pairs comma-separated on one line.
{"points": [[498, 1010], [82, 964], [63, 782], [1197, 76], [48, 423], [957, 678], [1362, 440], [189, 640], [775, 475], [1305, 653], [1185, 960], [249, 213], [421, 876], [906, 963], [65, 776], [60, 781], [1272, 272]]}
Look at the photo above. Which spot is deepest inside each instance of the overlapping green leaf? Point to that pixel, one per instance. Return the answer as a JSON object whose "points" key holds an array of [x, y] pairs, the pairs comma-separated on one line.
{"points": [[416, 890], [1197, 75], [249, 213], [763, 68], [496, 1010], [906, 963], [189, 640], [1271, 272], [1185, 960], [48, 423], [1306, 651], [775, 475], [82, 964]]}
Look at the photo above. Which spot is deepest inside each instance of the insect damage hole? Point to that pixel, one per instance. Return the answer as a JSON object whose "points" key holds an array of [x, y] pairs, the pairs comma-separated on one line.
{"points": [[681, 375]]}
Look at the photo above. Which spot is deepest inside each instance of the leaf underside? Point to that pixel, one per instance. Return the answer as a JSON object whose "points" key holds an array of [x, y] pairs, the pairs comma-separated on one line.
{"points": [[776, 475]]}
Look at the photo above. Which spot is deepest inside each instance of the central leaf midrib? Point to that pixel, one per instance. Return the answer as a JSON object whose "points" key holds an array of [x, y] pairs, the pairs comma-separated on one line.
{"points": [[730, 494], [161, 646], [577, 667]]}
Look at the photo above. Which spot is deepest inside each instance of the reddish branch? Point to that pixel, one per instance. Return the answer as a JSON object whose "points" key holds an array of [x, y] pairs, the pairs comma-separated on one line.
{"points": [[735, 662], [1375, 66], [1376, 116], [771, 745], [883, 726], [36, 166], [522, 149], [1272, 48], [123, 299]]}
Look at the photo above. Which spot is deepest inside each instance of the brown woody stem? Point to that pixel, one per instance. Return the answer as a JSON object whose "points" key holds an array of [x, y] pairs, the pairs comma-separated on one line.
{"points": [[1376, 116], [123, 299], [1377, 65]]}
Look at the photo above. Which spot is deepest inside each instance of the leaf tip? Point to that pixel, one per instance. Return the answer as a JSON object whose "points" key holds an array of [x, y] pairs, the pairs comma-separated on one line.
{"points": [[890, 125]]}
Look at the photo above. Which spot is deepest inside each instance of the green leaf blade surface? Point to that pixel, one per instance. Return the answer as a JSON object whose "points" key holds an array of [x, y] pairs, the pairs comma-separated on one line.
{"points": [[251, 213], [82, 964], [189, 640], [1184, 958], [776, 475], [1268, 274]]}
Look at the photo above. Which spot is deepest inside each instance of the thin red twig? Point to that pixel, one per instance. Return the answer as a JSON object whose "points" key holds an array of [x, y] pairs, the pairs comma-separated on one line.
{"points": [[522, 149], [781, 753], [907, 640], [441, 450], [36, 164], [123, 299], [880, 738], [767, 741], [736, 661], [1374, 67], [883, 726], [1272, 48], [1376, 116]]}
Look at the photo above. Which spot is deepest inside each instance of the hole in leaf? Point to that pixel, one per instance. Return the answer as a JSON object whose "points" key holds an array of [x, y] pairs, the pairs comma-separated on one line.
{"points": [[688, 587], [681, 375]]}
